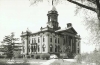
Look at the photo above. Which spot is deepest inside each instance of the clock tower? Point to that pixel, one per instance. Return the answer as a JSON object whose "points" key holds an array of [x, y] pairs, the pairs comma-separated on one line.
{"points": [[53, 19]]}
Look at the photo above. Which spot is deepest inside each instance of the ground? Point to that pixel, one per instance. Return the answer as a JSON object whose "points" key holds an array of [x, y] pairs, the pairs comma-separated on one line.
{"points": [[39, 62]]}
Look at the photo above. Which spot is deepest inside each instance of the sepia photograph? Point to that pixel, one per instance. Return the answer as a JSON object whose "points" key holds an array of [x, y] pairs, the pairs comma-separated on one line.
{"points": [[49, 32]]}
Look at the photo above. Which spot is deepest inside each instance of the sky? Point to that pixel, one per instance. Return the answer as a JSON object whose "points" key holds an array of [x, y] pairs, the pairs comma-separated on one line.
{"points": [[17, 15]]}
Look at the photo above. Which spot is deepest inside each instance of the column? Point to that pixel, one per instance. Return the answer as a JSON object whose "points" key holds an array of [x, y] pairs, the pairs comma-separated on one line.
{"points": [[71, 44], [67, 40], [41, 43], [76, 46]]}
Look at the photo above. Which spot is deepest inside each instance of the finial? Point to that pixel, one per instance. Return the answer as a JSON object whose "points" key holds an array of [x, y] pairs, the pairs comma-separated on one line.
{"points": [[27, 30], [52, 2], [22, 32]]}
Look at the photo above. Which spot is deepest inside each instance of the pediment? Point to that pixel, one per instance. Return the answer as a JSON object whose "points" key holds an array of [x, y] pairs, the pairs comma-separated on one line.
{"points": [[71, 30], [68, 30]]}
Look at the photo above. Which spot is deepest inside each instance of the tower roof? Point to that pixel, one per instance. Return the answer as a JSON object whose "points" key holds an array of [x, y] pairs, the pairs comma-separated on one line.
{"points": [[53, 8]]}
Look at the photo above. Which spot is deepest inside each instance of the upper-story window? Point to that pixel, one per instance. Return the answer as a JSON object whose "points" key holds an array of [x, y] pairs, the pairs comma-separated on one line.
{"points": [[58, 40], [55, 40], [32, 40], [63, 41], [78, 44], [23, 42], [50, 39], [43, 39], [29, 41], [38, 40], [66, 38]]}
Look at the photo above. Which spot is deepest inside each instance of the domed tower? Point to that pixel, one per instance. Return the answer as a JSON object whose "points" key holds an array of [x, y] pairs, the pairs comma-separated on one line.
{"points": [[53, 19]]}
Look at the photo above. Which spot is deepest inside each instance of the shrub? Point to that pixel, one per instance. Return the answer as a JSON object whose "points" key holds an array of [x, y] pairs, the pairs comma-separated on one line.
{"points": [[63, 55], [2, 56], [89, 58], [20, 56], [37, 56], [45, 56]]}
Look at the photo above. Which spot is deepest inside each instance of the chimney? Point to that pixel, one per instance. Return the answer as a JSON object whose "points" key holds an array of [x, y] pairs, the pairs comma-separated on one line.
{"points": [[69, 25]]}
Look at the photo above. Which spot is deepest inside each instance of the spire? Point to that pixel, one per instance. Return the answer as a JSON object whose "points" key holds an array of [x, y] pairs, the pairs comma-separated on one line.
{"points": [[53, 7]]}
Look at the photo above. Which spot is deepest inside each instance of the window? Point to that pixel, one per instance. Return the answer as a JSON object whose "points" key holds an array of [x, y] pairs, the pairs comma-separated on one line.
{"points": [[66, 38], [29, 49], [23, 49], [55, 48], [50, 39], [32, 40], [32, 48], [58, 48], [29, 41], [55, 40], [43, 39], [78, 44], [78, 51], [58, 40], [51, 47], [44, 47], [64, 42], [38, 40], [23, 42], [38, 48]]}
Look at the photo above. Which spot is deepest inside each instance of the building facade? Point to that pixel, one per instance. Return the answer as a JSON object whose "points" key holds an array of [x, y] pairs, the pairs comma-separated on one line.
{"points": [[51, 39]]}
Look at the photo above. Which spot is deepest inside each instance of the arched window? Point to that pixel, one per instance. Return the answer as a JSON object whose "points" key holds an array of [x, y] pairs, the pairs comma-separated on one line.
{"points": [[29, 48], [32, 40], [55, 40], [23, 49], [78, 50], [55, 48], [58, 48], [63, 41], [43, 39], [38, 40], [51, 47], [32, 48], [51, 39], [29, 41], [38, 48], [43, 47], [58, 40]]}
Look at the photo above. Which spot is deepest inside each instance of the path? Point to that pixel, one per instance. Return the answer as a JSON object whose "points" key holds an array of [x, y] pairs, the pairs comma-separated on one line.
{"points": [[48, 62], [70, 60]]}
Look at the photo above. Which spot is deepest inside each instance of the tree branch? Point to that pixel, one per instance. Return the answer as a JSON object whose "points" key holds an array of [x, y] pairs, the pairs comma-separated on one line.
{"points": [[81, 5], [98, 4]]}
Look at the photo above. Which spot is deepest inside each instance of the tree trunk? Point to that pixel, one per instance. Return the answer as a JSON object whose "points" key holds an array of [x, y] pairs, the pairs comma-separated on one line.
{"points": [[98, 15]]}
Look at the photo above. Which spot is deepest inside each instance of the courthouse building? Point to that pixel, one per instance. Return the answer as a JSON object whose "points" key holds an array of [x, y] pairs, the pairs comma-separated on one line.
{"points": [[51, 39]]}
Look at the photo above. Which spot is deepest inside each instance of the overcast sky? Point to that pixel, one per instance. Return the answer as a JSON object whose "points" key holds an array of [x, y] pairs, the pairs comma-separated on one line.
{"points": [[17, 15]]}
